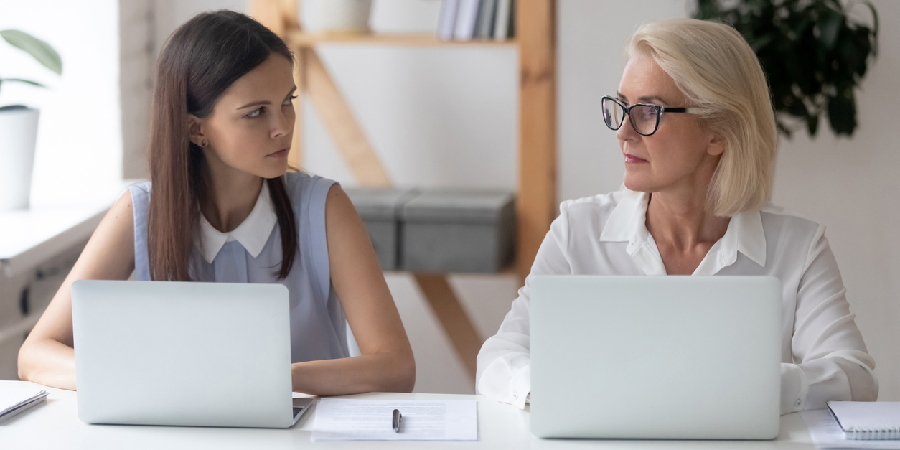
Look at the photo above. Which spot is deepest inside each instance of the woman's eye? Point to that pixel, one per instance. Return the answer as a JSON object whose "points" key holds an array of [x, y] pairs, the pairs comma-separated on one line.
{"points": [[289, 100], [646, 113], [256, 112]]}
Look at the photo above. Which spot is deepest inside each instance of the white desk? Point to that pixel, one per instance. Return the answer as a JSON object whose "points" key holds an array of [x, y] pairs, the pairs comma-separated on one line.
{"points": [[55, 425]]}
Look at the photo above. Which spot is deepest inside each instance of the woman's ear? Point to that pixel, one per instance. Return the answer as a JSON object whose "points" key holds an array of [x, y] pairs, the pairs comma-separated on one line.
{"points": [[716, 144], [196, 127]]}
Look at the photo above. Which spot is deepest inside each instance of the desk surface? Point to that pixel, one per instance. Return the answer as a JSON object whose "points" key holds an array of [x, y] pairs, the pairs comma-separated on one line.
{"points": [[55, 425]]}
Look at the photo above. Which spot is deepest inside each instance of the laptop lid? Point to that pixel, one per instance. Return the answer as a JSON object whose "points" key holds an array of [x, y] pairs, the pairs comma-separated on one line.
{"points": [[182, 353], [655, 357]]}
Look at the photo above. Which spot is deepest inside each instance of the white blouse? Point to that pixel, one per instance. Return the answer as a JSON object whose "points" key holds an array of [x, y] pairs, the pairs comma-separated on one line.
{"points": [[823, 354]]}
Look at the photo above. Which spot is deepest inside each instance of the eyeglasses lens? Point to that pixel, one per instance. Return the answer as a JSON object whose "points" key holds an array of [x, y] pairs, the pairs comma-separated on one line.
{"points": [[644, 119], [613, 114]]}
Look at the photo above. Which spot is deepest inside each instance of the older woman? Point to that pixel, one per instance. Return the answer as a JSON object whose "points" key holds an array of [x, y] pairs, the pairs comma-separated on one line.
{"points": [[697, 132]]}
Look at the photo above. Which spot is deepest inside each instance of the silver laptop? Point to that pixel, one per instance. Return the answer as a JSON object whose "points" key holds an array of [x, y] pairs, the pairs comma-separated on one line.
{"points": [[184, 354], [655, 357]]}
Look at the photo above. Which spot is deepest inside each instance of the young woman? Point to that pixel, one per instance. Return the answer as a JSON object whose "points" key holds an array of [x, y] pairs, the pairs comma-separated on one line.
{"points": [[222, 206], [697, 134]]}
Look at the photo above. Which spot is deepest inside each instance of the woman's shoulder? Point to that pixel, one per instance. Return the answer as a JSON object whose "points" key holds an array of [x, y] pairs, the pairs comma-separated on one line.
{"points": [[303, 186], [300, 180], [590, 216], [140, 194], [143, 186], [600, 205], [777, 220]]}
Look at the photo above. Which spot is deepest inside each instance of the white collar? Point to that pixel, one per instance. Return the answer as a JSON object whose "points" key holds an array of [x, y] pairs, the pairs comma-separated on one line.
{"points": [[627, 223], [252, 233]]}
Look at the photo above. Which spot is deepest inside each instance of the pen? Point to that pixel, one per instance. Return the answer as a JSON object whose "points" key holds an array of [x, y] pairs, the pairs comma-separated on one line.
{"points": [[397, 417]]}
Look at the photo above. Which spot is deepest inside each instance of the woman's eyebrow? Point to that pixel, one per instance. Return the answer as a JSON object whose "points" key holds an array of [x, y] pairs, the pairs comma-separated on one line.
{"points": [[650, 99], [256, 103], [266, 102]]}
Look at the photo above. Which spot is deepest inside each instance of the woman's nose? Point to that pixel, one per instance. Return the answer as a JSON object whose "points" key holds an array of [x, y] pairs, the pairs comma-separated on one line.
{"points": [[283, 125], [626, 131]]}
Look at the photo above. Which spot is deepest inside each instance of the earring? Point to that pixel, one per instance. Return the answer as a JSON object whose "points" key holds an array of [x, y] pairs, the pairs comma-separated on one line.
{"points": [[204, 143]]}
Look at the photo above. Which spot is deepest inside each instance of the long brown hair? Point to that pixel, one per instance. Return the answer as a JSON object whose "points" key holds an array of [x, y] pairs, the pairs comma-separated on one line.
{"points": [[200, 61]]}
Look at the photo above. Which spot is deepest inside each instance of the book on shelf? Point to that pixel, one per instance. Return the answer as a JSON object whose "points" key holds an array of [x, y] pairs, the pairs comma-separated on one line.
{"points": [[466, 16], [485, 22], [447, 20], [502, 18], [476, 19]]}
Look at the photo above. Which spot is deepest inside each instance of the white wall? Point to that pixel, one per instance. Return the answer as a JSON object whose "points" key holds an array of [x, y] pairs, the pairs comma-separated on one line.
{"points": [[137, 53], [447, 117], [78, 153]]}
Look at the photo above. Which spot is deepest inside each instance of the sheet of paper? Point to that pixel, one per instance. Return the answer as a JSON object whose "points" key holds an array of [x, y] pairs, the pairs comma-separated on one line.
{"points": [[371, 420], [827, 434]]}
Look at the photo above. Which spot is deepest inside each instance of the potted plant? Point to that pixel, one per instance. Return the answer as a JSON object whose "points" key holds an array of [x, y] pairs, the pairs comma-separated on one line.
{"points": [[18, 125], [814, 55]]}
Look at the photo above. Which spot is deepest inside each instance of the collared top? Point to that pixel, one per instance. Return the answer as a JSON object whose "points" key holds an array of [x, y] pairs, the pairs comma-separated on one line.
{"points": [[823, 353], [252, 233], [251, 253]]}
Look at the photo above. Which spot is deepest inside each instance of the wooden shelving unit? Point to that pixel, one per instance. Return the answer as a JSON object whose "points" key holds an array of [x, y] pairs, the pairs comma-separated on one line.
{"points": [[301, 39], [536, 199]]}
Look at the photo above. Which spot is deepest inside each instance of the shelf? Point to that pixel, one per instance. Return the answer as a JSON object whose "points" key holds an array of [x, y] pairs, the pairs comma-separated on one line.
{"points": [[536, 202], [301, 39]]}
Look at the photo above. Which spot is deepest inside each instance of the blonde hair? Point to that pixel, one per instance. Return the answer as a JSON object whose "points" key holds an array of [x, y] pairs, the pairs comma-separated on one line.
{"points": [[719, 73]]}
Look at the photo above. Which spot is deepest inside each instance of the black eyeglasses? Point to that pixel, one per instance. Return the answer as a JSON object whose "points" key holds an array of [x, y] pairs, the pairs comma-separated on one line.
{"points": [[644, 116]]}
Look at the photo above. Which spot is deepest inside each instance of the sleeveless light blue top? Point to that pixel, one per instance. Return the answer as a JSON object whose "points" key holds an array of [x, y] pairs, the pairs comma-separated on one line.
{"points": [[318, 326]]}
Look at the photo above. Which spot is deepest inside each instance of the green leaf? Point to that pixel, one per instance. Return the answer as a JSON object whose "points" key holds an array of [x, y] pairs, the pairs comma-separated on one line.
{"points": [[38, 49], [19, 80], [874, 19], [761, 43], [812, 125], [842, 114], [830, 28], [797, 108]]}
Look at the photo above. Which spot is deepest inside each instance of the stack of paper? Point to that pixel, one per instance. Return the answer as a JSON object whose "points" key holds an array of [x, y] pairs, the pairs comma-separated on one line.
{"points": [[868, 420], [827, 434], [15, 400], [371, 420]]}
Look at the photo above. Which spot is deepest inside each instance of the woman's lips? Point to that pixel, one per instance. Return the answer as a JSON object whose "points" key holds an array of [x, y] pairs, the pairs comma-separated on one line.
{"points": [[631, 159], [279, 154]]}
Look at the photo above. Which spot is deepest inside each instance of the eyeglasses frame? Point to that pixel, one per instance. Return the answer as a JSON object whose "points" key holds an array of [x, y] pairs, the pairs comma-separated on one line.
{"points": [[660, 110]]}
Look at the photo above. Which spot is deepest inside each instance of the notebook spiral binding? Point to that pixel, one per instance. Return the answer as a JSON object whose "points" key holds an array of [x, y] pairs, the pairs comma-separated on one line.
{"points": [[873, 434]]}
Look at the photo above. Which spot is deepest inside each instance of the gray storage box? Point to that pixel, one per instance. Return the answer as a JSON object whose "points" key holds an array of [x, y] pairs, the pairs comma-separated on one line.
{"points": [[458, 231], [379, 209]]}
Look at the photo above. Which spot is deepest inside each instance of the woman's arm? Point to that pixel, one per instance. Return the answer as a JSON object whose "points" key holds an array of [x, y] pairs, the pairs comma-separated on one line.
{"points": [[47, 356], [504, 362], [386, 363], [832, 361]]}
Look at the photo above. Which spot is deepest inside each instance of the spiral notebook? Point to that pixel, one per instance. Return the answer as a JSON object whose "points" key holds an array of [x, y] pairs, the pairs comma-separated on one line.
{"points": [[867, 420]]}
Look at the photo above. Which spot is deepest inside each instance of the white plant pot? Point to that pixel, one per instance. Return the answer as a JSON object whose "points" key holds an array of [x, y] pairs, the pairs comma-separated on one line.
{"points": [[337, 16], [18, 135]]}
